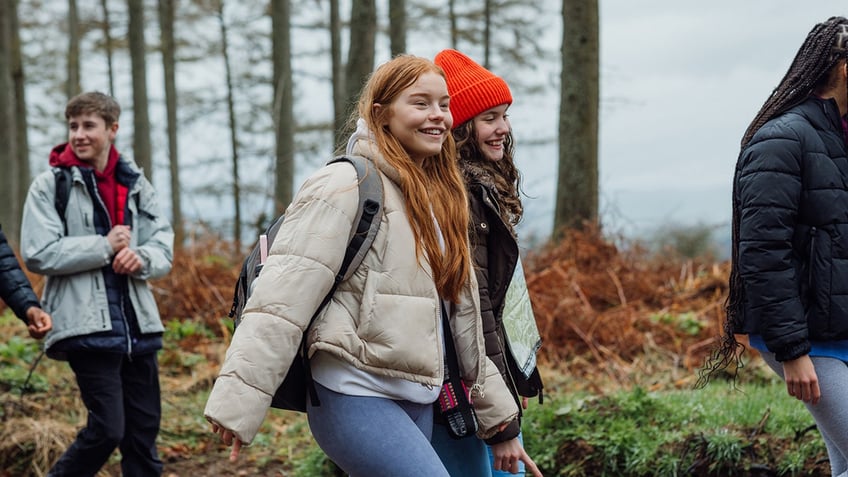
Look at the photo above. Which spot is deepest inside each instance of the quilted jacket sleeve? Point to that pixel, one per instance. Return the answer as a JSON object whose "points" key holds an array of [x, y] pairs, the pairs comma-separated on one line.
{"points": [[769, 187], [302, 263], [495, 405], [15, 289]]}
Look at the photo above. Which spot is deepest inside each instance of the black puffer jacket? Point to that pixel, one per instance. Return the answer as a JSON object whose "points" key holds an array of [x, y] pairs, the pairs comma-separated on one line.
{"points": [[791, 200], [495, 254], [15, 288]]}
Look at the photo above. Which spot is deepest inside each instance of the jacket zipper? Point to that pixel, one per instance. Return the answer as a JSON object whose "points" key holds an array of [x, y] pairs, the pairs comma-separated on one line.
{"points": [[126, 327], [103, 316], [812, 255]]}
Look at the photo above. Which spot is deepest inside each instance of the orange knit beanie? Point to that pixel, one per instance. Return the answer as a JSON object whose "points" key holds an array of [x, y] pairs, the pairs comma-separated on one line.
{"points": [[472, 88]]}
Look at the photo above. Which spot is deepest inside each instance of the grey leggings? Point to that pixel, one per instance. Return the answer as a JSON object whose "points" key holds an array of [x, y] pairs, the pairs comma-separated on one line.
{"points": [[370, 436], [831, 412]]}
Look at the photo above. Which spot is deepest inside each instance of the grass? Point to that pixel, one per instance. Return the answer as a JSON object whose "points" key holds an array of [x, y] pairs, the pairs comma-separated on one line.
{"points": [[718, 430], [579, 431]]}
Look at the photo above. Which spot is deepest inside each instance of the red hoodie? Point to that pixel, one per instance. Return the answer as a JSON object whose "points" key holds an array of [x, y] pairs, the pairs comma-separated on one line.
{"points": [[113, 193]]}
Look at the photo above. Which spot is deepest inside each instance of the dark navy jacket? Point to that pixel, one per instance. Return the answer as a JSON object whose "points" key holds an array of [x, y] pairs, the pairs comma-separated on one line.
{"points": [[15, 289], [791, 197]]}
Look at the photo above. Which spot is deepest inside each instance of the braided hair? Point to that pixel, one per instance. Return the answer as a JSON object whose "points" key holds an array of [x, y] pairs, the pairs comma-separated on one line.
{"points": [[826, 44], [813, 68]]}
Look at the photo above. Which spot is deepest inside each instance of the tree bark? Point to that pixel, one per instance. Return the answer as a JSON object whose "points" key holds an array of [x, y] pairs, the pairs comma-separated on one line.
{"points": [[10, 213], [577, 183], [141, 121], [20, 110], [283, 103], [233, 127], [397, 27], [166, 25], [337, 75], [454, 28], [107, 39], [72, 87], [360, 58]]}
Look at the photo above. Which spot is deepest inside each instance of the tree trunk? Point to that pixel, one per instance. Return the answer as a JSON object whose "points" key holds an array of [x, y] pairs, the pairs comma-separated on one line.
{"points": [[10, 212], [19, 80], [577, 183], [454, 28], [166, 25], [487, 34], [141, 121], [72, 87], [337, 73], [360, 58], [283, 103], [107, 39], [233, 128], [397, 26]]}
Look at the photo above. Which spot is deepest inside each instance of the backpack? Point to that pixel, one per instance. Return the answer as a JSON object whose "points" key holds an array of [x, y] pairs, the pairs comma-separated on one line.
{"points": [[63, 177], [291, 395]]}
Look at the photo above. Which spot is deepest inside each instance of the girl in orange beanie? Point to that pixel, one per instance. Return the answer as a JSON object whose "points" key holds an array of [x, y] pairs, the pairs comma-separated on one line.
{"points": [[478, 102]]}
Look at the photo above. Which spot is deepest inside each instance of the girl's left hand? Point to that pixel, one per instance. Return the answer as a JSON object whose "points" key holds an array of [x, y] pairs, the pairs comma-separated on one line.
{"points": [[802, 382], [507, 455], [229, 439]]}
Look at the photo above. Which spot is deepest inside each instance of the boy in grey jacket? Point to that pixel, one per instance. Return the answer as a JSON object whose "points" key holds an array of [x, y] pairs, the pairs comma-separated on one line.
{"points": [[97, 259]]}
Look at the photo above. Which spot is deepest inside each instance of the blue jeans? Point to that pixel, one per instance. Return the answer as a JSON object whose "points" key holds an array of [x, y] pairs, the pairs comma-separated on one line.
{"points": [[469, 457], [124, 409], [501, 473], [465, 457], [370, 436]]}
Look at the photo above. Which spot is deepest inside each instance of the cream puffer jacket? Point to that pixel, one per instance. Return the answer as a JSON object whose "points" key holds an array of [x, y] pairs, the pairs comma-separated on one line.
{"points": [[383, 319]]}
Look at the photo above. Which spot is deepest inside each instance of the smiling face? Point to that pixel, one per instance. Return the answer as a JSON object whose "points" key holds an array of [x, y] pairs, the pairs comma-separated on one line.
{"points": [[91, 139], [492, 127], [420, 118]]}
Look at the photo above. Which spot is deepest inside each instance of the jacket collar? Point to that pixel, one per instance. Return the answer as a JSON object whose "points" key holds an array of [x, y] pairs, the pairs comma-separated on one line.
{"points": [[822, 113], [367, 148]]}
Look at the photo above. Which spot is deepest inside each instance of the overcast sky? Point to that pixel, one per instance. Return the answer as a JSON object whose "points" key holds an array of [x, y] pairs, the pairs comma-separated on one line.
{"points": [[680, 81]]}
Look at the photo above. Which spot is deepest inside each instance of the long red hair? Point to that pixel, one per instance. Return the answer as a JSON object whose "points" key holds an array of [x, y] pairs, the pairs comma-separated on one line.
{"points": [[433, 188]]}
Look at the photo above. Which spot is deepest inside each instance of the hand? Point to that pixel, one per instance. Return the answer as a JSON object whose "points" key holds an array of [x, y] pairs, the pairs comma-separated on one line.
{"points": [[802, 382], [39, 322], [507, 454], [229, 439], [119, 237], [524, 402], [126, 262]]}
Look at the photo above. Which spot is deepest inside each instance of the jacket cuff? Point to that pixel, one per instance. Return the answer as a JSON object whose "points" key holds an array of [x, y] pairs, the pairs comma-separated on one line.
{"points": [[511, 432], [20, 309], [792, 351]]}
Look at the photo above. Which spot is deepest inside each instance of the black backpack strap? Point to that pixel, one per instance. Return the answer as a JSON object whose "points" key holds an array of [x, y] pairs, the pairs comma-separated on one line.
{"points": [[370, 208], [362, 236], [63, 177]]}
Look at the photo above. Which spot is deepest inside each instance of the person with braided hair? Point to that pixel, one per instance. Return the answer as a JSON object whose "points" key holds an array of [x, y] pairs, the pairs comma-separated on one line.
{"points": [[789, 265]]}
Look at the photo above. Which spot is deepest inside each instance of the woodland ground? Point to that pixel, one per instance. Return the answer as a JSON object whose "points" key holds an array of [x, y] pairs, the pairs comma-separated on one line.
{"points": [[613, 317]]}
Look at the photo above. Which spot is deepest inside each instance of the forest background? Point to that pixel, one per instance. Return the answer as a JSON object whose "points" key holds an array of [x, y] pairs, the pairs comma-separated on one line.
{"points": [[627, 309]]}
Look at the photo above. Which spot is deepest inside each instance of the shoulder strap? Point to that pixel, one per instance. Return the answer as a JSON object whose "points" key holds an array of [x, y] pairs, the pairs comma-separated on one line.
{"points": [[367, 215], [63, 178], [361, 237]]}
